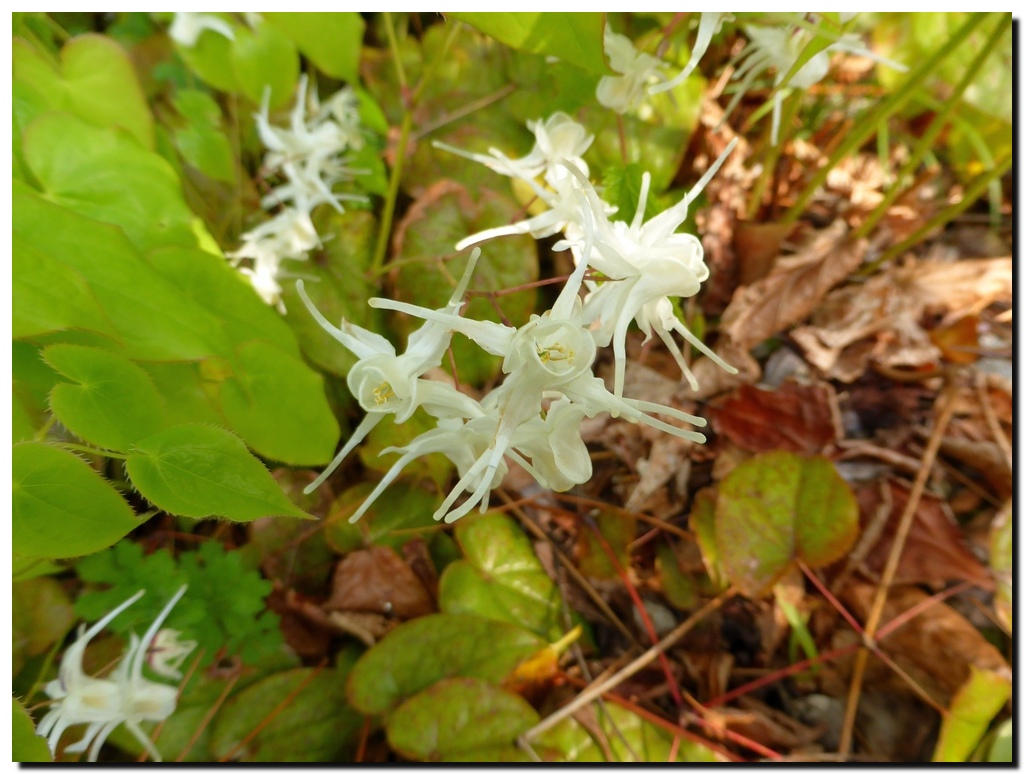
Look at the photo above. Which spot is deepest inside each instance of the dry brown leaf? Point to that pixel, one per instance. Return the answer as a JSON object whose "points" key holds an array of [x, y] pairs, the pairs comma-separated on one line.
{"points": [[757, 246], [794, 417], [937, 647], [935, 550], [985, 457], [794, 288], [882, 320], [377, 580]]}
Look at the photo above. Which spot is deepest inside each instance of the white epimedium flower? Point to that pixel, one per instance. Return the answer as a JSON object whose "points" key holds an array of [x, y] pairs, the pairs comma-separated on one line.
{"points": [[558, 458], [186, 28], [638, 70], [557, 138], [385, 382], [710, 24], [780, 48], [168, 652], [646, 263], [105, 703]]}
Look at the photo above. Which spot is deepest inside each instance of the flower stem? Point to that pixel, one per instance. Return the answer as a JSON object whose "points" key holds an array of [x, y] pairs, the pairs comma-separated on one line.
{"points": [[91, 450]]}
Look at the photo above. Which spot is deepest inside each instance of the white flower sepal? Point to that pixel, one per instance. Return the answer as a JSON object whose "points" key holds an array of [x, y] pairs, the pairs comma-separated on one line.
{"points": [[557, 138], [105, 703], [559, 460], [187, 27], [387, 383], [168, 652], [624, 92], [710, 23]]}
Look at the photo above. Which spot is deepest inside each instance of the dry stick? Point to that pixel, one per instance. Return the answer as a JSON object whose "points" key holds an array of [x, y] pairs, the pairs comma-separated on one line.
{"points": [[600, 687], [906, 520], [269, 718], [654, 521], [981, 385], [540, 534]]}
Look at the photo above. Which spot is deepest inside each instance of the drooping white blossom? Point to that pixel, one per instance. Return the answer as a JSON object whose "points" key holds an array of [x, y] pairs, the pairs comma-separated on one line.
{"points": [[637, 71], [126, 696]]}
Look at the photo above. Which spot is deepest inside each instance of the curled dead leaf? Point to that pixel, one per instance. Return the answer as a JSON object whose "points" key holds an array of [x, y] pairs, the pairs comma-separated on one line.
{"points": [[377, 580]]}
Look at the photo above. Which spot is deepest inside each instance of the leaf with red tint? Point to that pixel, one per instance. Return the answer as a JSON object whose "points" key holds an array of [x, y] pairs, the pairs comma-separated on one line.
{"points": [[935, 550], [377, 580], [794, 417]]}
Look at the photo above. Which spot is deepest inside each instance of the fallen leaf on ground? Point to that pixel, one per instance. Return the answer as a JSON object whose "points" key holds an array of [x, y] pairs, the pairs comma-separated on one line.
{"points": [[794, 288], [794, 417], [377, 580], [934, 551]]}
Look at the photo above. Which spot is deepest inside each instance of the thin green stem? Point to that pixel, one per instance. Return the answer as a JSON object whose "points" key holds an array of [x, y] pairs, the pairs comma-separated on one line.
{"points": [[865, 128], [774, 152], [389, 29], [388, 215], [436, 61], [937, 125], [942, 218], [45, 429], [91, 450]]}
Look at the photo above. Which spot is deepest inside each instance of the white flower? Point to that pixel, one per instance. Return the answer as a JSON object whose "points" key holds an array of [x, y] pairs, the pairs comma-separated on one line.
{"points": [[105, 703], [168, 652], [710, 23], [387, 383], [187, 27], [559, 459], [779, 48], [646, 263], [557, 139], [624, 92]]}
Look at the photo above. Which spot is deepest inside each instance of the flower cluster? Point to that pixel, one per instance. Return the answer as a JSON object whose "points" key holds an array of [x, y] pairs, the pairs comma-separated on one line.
{"points": [[534, 416], [310, 155], [123, 697]]}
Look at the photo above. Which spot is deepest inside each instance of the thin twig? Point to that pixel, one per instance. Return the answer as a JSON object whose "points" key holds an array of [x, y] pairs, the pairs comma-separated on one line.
{"points": [[601, 687], [906, 520]]}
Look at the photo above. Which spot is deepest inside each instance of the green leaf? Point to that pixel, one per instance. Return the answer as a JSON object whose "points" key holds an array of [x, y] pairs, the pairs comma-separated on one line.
{"points": [[420, 652], [973, 708], [154, 321], [277, 404], [33, 380], [210, 58], [577, 38], [108, 176], [112, 403], [702, 521], [265, 57], [41, 615], [1001, 750], [200, 471], [202, 141], [463, 719], [96, 83], [26, 747], [337, 286], [630, 739], [186, 397], [61, 507], [213, 284], [390, 521], [616, 531], [778, 507], [316, 726], [331, 41], [48, 296], [500, 577]]}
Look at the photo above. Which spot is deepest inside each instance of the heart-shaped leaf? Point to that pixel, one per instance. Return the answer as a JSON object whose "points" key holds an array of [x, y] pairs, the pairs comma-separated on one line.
{"points": [[779, 507], [419, 653], [500, 577], [112, 403], [61, 507], [461, 719], [200, 471]]}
